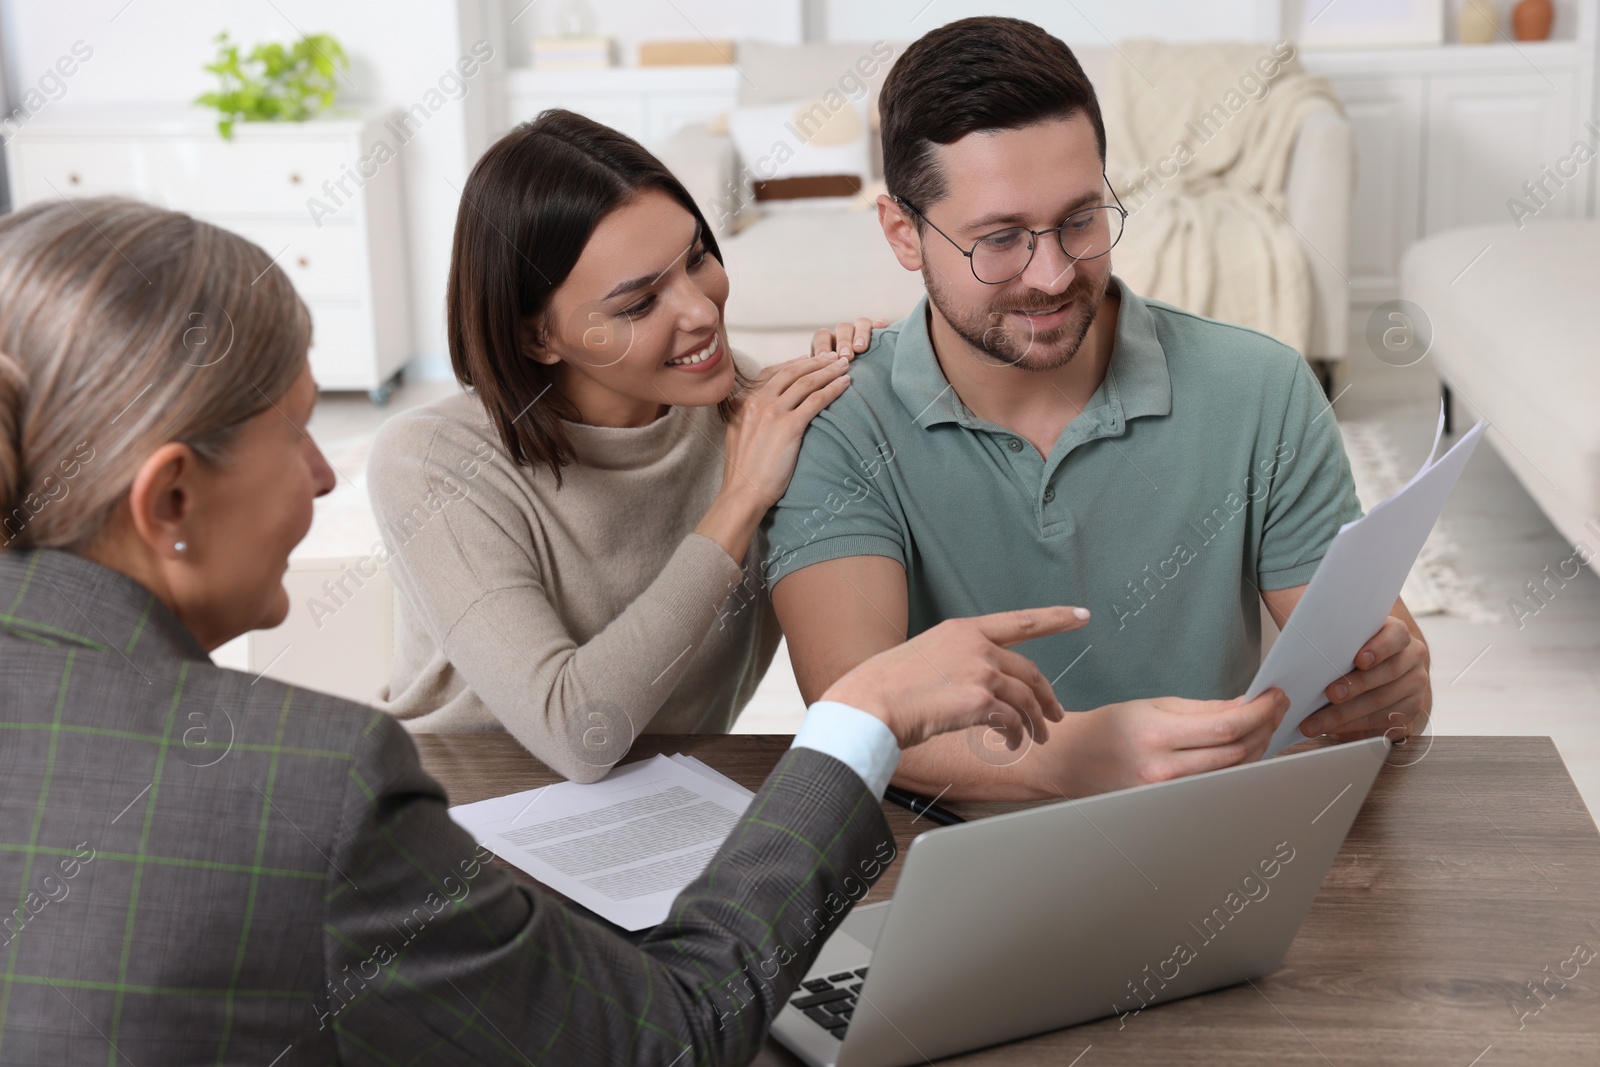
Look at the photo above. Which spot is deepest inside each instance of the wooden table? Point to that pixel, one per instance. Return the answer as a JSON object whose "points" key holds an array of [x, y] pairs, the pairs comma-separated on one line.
{"points": [[1470, 879]]}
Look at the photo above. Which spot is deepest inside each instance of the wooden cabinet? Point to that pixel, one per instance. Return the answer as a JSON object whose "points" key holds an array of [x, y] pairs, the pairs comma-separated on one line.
{"points": [[321, 197]]}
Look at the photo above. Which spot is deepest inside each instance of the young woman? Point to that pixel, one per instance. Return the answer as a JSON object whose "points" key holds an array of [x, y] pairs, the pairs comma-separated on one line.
{"points": [[565, 536]]}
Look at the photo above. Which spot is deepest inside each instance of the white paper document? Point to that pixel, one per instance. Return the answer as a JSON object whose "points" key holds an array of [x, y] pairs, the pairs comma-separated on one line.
{"points": [[703, 768], [1355, 587], [622, 847]]}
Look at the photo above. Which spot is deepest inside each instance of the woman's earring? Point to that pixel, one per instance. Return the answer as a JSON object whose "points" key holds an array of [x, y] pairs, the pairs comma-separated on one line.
{"points": [[181, 546]]}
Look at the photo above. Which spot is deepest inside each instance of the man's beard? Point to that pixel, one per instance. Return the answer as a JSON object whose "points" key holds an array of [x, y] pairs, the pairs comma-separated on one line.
{"points": [[994, 333]]}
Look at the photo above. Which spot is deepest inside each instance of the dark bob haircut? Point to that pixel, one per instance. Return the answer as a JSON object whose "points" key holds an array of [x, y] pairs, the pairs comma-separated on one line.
{"points": [[985, 73], [526, 214]]}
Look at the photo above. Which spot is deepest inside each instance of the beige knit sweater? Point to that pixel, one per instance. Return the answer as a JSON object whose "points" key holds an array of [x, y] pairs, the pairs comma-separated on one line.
{"points": [[576, 618]]}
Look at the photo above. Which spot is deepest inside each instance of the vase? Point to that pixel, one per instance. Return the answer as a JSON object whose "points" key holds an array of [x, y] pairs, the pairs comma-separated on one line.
{"points": [[1479, 22], [1531, 20]]}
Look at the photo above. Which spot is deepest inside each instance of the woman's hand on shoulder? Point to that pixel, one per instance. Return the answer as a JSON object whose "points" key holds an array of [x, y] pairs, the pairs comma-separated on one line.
{"points": [[847, 338], [770, 418]]}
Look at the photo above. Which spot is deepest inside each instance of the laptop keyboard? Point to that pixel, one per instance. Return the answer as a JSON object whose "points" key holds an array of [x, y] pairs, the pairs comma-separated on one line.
{"points": [[830, 1002]]}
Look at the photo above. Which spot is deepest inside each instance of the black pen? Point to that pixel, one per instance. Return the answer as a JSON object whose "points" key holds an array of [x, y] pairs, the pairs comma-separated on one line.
{"points": [[921, 805]]}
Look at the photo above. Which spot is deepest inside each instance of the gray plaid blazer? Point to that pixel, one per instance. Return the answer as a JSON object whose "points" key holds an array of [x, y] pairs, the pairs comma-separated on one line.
{"points": [[210, 868]]}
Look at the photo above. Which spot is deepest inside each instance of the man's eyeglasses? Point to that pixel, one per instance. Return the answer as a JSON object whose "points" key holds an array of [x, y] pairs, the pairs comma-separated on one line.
{"points": [[1000, 256]]}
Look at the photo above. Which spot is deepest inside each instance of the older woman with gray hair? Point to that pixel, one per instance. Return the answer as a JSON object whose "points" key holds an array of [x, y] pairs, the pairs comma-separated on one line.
{"points": [[209, 866]]}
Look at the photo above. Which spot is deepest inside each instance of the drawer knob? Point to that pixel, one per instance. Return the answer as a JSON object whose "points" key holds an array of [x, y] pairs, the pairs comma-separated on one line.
{"points": [[304, 261], [294, 179], [73, 179]]}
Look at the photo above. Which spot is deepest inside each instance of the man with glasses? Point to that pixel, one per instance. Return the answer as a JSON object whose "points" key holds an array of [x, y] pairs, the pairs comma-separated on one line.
{"points": [[1035, 433]]}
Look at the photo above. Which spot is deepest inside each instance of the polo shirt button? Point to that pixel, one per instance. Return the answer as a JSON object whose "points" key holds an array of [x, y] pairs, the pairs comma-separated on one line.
{"points": [[1049, 493], [1014, 444]]}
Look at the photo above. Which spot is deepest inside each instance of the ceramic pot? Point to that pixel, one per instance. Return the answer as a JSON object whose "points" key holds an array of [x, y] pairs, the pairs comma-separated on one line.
{"points": [[1531, 19]]}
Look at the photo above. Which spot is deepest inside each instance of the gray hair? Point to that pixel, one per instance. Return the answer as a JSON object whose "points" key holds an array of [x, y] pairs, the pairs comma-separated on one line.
{"points": [[124, 327]]}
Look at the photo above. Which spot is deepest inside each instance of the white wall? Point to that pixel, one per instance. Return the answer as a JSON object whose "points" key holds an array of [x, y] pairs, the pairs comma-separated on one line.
{"points": [[152, 50], [1079, 22]]}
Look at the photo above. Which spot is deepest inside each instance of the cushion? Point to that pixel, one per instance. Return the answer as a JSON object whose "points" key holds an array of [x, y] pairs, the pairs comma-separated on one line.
{"points": [[826, 135]]}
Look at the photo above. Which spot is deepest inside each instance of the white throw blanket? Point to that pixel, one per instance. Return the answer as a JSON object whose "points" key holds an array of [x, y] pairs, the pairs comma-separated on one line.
{"points": [[1199, 146]]}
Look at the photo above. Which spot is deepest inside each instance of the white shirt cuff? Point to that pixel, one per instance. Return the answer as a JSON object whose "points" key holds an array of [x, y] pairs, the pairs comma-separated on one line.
{"points": [[858, 740]]}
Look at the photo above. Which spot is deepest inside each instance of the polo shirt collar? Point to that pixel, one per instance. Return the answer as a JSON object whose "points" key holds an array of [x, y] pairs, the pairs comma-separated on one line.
{"points": [[1137, 381]]}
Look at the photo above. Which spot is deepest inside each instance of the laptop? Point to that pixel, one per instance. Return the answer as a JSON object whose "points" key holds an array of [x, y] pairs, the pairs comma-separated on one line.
{"points": [[1026, 922]]}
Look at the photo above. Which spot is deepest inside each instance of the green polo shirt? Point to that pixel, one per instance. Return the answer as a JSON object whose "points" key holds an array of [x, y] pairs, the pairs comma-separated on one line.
{"points": [[1207, 467]]}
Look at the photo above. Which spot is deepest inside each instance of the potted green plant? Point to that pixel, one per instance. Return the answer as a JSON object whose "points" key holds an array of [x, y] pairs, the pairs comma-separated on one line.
{"points": [[274, 82]]}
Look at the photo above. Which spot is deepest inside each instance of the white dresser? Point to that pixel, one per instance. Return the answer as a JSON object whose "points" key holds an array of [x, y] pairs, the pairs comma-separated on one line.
{"points": [[314, 195], [1447, 136]]}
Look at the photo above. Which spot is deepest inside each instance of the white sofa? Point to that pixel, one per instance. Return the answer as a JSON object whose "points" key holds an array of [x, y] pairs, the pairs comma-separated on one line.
{"points": [[793, 271], [1516, 333]]}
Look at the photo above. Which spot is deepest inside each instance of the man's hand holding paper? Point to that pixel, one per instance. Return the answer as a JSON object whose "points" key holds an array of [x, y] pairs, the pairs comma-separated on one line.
{"points": [[1389, 691]]}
